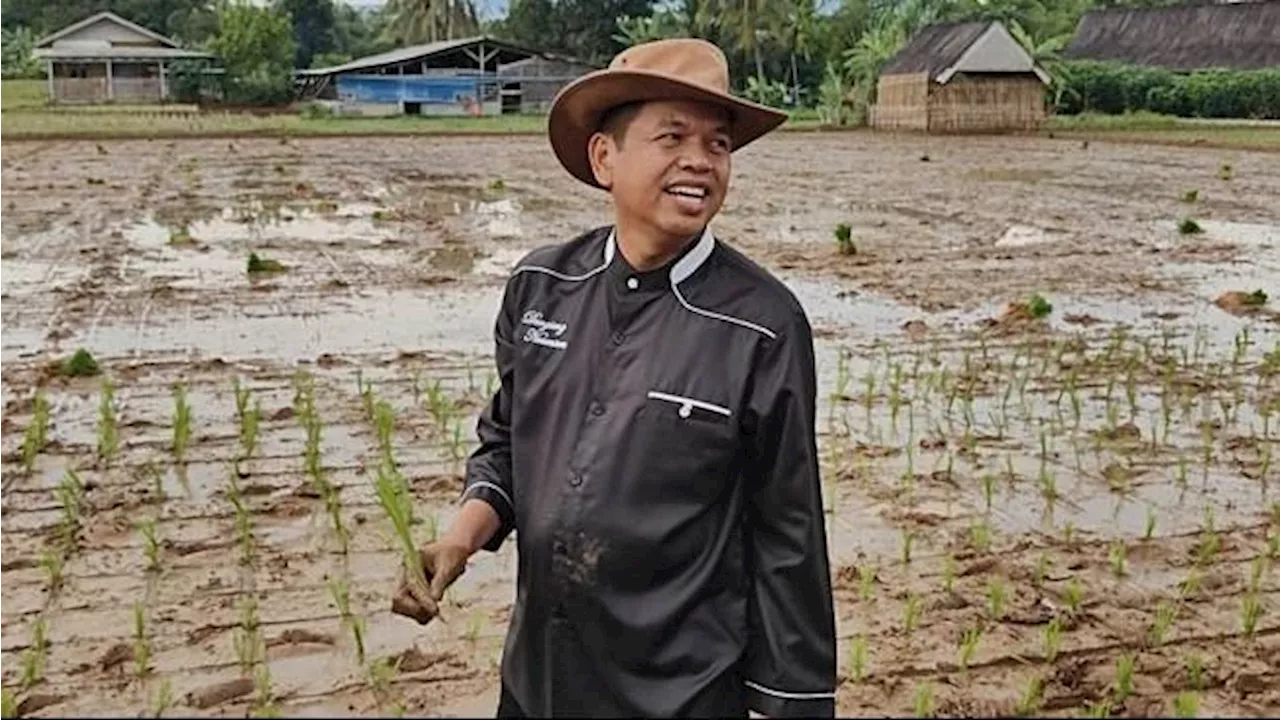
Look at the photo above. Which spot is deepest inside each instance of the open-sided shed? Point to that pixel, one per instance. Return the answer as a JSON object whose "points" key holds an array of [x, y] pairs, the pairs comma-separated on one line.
{"points": [[472, 76], [960, 77]]}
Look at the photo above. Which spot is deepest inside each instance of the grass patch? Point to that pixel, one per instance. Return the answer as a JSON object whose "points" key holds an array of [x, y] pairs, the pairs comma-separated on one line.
{"points": [[80, 364], [1188, 226]]}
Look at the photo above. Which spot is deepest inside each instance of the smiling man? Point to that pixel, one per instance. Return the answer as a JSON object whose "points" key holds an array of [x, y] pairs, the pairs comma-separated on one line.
{"points": [[652, 440]]}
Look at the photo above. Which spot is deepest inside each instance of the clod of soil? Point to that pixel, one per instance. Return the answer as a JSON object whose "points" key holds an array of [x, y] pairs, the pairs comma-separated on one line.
{"points": [[1236, 301], [36, 702], [301, 637], [217, 694], [414, 660], [115, 656]]}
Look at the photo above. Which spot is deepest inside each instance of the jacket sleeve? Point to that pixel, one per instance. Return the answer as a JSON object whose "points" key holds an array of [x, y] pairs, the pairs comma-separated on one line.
{"points": [[790, 666], [489, 475]]}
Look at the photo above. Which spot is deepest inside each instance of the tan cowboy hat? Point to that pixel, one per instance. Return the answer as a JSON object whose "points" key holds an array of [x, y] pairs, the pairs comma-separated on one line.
{"points": [[681, 69]]}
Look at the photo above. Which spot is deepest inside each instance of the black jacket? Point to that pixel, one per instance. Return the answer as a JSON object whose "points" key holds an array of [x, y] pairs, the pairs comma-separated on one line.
{"points": [[653, 442]]}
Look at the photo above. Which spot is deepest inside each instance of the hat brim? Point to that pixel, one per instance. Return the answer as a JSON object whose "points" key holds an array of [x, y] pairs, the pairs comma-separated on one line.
{"points": [[577, 110]]}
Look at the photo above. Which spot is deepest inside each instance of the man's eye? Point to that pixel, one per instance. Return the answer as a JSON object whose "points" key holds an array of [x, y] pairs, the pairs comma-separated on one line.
{"points": [[721, 145]]}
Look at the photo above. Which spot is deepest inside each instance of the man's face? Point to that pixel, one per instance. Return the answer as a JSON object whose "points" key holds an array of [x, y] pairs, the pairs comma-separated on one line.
{"points": [[669, 167]]}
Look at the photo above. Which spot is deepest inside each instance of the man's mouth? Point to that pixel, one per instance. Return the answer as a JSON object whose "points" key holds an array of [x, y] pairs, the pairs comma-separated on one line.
{"points": [[689, 191], [689, 198]]}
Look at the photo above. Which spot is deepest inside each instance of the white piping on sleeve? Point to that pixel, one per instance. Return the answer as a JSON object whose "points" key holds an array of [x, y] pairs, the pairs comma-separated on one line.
{"points": [[790, 695], [491, 486]]}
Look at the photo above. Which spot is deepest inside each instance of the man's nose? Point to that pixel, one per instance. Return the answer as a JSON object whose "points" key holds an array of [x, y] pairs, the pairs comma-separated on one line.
{"points": [[695, 158]]}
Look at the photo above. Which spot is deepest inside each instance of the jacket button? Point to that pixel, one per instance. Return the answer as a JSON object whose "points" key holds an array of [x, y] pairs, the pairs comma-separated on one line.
{"points": [[575, 479], [618, 337], [597, 408]]}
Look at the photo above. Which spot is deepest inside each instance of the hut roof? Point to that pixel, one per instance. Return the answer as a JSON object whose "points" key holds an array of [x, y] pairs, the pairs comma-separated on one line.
{"points": [[945, 49], [1238, 35]]}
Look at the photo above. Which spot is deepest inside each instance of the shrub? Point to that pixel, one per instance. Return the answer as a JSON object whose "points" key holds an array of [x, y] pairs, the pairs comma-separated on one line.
{"points": [[1113, 88]]}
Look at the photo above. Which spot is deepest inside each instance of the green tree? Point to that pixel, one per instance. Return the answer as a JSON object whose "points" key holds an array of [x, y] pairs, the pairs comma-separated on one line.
{"points": [[423, 21], [257, 49], [17, 60], [584, 29], [313, 28]]}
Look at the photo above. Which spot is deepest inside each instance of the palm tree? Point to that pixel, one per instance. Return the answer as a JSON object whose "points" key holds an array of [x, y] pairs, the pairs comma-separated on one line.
{"points": [[873, 49], [418, 21], [801, 17]]}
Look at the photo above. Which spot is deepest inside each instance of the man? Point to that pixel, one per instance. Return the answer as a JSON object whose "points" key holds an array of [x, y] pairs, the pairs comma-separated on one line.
{"points": [[653, 436]]}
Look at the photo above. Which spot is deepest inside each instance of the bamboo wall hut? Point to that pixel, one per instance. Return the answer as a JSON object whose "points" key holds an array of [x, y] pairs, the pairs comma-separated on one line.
{"points": [[960, 77], [1237, 36]]}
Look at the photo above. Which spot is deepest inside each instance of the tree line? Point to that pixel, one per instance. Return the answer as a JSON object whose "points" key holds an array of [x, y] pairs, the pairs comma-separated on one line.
{"points": [[824, 53]]}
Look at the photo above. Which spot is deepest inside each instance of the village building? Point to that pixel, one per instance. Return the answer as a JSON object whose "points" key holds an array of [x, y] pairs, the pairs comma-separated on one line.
{"points": [[475, 76], [105, 58], [960, 77], [1232, 35]]}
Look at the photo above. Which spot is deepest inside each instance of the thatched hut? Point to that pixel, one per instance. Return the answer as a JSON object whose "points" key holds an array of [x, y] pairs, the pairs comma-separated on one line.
{"points": [[1238, 36], [960, 77]]}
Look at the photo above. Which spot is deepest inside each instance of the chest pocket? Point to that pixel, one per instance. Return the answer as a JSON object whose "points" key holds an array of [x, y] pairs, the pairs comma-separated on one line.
{"points": [[688, 443]]}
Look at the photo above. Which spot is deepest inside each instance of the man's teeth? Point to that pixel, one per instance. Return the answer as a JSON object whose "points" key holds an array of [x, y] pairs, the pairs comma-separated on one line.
{"points": [[692, 192]]}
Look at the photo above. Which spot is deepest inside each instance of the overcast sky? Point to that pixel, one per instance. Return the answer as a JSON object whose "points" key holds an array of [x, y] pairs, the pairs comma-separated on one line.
{"points": [[488, 9]]}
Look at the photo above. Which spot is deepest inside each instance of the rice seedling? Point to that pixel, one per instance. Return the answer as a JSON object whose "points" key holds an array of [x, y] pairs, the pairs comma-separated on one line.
{"points": [[150, 543], [844, 239], [969, 645], [8, 704], [333, 506], [35, 657], [108, 434], [340, 591], [141, 641], [1032, 697], [384, 425], [181, 422], [1224, 172], [250, 421], [52, 562], [264, 701], [381, 673], [1041, 569], [70, 496], [163, 699], [1116, 558], [1150, 527], [988, 489], [1273, 545], [997, 594], [866, 582], [1074, 595], [393, 496], [1166, 612], [1250, 613], [1190, 196], [1052, 639], [1195, 671], [924, 699], [1190, 585], [1186, 704], [980, 536], [948, 573], [37, 433], [1099, 709], [908, 537], [858, 658], [475, 624], [1257, 569], [243, 521], [911, 613], [246, 637], [1124, 677]]}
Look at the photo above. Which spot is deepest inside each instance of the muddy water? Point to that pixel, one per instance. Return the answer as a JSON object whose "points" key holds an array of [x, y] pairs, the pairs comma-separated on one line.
{"points": [[393, 272]]}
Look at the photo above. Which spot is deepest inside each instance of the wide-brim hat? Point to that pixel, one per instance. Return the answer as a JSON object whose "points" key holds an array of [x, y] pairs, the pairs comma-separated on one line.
{"points": [[679, 69]]}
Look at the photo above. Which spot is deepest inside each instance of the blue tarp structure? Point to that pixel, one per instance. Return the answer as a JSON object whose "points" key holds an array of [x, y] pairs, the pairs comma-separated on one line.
{"points": [[447, 90]]}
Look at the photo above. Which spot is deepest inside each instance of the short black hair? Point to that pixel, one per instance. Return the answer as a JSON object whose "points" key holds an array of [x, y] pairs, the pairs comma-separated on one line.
{"points": [[615, 121]]}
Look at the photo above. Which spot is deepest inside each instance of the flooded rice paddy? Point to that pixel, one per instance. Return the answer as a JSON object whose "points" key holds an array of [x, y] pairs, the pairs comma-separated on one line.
{"points": [[1067, 514]]}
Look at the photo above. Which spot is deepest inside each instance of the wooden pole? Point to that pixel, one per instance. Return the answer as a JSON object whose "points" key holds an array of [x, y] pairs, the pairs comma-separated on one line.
{"points": [[111, 90], [49, 67], [164, 87]]}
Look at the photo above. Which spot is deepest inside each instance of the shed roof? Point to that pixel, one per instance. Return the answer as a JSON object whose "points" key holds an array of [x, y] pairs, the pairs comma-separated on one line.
{"points": [[63, 45], [1239, 35], [944, 49], [506, 53]]}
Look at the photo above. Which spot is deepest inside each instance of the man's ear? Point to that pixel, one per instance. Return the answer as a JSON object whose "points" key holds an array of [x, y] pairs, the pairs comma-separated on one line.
{"points": [[602, 150]]}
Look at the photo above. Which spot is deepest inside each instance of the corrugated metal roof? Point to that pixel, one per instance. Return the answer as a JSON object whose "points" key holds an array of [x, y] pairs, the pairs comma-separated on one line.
{"points": [[935, 48], [420, 52]]}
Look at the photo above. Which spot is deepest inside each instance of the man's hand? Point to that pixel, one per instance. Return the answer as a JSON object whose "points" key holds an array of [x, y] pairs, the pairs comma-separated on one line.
{"points": [[418, 598]]}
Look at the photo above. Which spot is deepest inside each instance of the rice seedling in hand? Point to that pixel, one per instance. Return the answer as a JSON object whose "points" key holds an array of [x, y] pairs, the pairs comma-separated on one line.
{"points": [[393, 496], [108, 433], [1124, 677], [181, 422], [37, 433]]}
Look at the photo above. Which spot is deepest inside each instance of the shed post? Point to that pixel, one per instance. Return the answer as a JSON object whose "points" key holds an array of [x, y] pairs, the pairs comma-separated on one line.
{"points": [[164, 87], [49, 69], [110, 82]]}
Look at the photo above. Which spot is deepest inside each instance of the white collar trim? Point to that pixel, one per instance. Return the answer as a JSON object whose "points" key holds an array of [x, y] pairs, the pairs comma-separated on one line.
{"points": [[687, 265]]}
